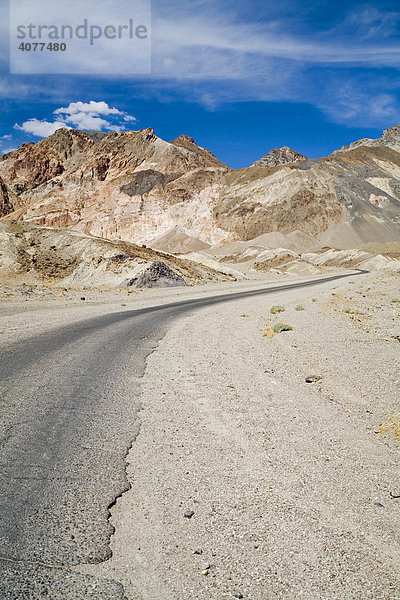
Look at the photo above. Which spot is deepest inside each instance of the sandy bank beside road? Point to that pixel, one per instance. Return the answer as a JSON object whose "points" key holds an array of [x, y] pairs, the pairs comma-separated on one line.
{"points": [[290, 483]]}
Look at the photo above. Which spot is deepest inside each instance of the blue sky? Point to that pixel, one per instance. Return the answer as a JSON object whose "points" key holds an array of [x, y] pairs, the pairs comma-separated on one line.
{"points": [[240, 77]]}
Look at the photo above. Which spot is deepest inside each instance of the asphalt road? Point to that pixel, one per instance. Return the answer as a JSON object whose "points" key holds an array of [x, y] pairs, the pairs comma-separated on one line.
{"points": [[68, 408]]}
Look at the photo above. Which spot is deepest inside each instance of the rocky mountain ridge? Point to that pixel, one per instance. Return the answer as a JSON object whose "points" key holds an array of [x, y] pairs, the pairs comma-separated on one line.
{"points": [[390, 138], [279, 156], [137, 187]]}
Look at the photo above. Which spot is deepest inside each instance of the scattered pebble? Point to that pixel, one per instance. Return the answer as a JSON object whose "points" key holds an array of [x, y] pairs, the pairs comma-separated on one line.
{"points": [[313, 378], [188, 514]]}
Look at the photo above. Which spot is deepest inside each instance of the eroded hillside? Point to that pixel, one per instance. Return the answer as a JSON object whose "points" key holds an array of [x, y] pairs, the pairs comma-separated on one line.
{"points": [[67, 258], [137, 187]]}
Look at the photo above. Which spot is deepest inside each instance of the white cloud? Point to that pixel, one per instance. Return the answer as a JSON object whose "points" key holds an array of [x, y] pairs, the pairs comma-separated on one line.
{"points": [[88, 115], [39, 128], [87, 121], [92, 107], [80, 115]]}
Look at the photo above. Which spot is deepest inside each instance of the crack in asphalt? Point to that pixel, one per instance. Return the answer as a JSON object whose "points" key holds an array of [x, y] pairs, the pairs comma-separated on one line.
{"points": [[79, 425]]}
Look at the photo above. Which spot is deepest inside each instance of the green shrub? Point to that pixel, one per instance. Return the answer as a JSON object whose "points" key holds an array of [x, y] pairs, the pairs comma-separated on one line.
{"points": [[277, 309], [299, 307]]}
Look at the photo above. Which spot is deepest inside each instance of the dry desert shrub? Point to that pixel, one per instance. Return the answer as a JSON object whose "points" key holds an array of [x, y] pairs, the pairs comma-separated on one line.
{"points": [[277, 309]]}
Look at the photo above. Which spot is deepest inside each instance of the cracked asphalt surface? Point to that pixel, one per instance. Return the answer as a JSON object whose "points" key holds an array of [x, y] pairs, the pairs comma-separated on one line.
{"points": [[68, 403]]}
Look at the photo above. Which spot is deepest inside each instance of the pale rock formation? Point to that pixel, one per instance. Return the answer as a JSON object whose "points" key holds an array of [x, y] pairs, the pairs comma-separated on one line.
{"points": [[137, 187], [279, 156]]}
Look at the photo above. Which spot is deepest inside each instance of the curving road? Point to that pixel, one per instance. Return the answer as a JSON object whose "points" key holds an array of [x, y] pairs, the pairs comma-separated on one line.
{"points": [[68, 413]]}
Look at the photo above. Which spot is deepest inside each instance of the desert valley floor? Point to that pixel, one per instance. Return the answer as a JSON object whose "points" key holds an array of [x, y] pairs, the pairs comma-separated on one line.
{"points": [[243, 480]]}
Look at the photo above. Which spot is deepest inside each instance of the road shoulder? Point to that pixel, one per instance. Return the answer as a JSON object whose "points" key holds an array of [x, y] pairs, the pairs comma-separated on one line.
{"points": [[289, 483]]}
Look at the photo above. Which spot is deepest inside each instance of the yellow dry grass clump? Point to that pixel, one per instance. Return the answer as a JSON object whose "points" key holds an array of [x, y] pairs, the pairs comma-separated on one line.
{"points": [[269, 332], [392, 423]]}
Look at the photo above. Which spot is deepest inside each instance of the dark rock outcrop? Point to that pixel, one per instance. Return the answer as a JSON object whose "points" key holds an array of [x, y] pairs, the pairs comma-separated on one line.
{"points": [[6, 206], [157, 275]]}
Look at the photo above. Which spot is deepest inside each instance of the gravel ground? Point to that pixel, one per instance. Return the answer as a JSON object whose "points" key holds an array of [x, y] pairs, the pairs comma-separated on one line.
{"points": [[28, 310], [248, 482]]}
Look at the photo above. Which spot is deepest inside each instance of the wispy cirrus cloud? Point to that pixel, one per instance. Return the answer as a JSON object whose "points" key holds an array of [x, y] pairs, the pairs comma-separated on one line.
{"points": [[369, 22], [93, 116], [4, 143], [252, 43], [360, 108], [214, 59], [207, 52]]}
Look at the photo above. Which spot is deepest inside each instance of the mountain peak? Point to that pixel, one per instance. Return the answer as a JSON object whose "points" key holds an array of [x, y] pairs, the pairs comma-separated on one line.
{"points": [[279, 156], [133, 185], [392, 132], [184, 141], [390, 138], [185, 138]]}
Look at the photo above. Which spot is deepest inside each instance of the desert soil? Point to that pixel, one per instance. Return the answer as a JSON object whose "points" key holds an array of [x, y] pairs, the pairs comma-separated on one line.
{"points": [[246, 481], [28, 309]]}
